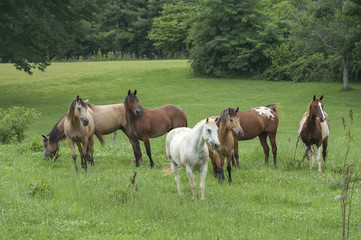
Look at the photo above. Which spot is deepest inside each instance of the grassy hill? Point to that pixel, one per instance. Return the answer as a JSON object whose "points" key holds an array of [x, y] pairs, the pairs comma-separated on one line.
{"points": [[43, 199]]}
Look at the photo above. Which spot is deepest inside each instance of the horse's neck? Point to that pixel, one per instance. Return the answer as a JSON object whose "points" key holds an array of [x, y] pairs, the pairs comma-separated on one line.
{"points": [[223, 132], [196, 136], [311, 120]]}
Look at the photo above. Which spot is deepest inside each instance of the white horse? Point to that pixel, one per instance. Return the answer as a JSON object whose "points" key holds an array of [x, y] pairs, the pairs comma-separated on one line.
{"points": [[187, 147]]}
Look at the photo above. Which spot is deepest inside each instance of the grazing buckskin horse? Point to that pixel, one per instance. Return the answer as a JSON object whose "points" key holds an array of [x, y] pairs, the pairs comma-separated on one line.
{"points": [[261, 122], [143, 123], [228, 125], [79, 128], [187, 147], [107, 119], [314, 129]]}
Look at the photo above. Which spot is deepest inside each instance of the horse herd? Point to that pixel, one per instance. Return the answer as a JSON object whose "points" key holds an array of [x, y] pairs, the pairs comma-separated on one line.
{"points": [[215, 137]]}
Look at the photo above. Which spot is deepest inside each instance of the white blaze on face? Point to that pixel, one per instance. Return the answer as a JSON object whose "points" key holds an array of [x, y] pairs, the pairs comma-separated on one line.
{"points": [[265, 112], [323, 114]]}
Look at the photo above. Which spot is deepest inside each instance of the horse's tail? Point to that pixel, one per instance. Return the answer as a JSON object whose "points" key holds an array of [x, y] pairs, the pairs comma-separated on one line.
{"points": [[167, 171], [274, 106], [99, 136]]}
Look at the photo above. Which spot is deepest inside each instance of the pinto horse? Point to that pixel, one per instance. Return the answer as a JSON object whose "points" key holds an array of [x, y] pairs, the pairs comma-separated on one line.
{"points": [[79, 128], [314, 129], [187, 147], [143, 123], [261, 122], [228, 125], [107, 119]]}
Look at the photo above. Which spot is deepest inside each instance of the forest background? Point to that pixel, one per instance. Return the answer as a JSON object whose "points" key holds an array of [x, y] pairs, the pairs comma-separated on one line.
{"points": [[295, 40]]}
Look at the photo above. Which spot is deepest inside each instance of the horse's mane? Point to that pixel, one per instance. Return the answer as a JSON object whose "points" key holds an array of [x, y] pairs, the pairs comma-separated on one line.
{"points": [[72, 106], [222, 118], [54, 133]]}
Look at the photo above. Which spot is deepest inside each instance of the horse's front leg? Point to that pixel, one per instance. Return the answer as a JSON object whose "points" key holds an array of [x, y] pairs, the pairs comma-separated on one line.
{"points": [[235, 152], [319, 158], [136, 151], [71, 145], [147, 147], [191, 181], [202, 174], [85, 143], [91, 150], [80, 149], [229, 168]]}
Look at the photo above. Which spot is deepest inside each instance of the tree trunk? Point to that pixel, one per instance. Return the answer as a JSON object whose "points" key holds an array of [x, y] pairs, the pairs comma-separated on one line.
{"points": [[345, 72]]}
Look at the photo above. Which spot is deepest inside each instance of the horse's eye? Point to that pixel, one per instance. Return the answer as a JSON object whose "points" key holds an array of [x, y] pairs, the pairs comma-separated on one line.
{"points": [[231, 120], [209, 131]]}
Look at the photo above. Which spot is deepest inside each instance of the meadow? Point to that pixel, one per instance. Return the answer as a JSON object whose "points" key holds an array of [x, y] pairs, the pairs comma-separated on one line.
{"points": [[46, 199]]}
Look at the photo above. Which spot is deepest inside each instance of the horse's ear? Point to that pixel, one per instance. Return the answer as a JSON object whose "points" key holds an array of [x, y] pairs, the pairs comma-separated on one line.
{"points": [[44, 136], [128, 92], [207, 120], [216, 120], [321, 97], [135, 92], [237, 109], [77, 98], [314, 97]]}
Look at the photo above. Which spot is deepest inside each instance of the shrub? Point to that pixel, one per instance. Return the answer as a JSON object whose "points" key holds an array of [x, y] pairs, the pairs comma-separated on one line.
{"points": [[13, 123]]}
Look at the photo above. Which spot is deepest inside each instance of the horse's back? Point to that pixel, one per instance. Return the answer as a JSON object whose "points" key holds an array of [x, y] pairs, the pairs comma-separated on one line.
{"points": [[109, 118], [174, 141]]}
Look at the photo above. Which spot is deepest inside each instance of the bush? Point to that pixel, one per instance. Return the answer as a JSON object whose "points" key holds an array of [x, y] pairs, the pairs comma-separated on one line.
{"points": [[13, 123]]}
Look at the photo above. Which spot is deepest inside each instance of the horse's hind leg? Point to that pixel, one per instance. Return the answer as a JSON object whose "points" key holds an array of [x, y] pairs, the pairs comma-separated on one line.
{"points": [[202, 174], [235, 153], [191, 180], [324, 149], [272, 139], [91, 150], [176, 175], [147, 147], [263, 140]]}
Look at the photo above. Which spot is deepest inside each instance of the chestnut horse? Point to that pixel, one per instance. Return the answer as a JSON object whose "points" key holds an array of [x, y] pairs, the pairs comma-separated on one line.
{"points": [[79, 128], [143, 123], [228, 125], [107, 119], [261, 122], [314, 129]]}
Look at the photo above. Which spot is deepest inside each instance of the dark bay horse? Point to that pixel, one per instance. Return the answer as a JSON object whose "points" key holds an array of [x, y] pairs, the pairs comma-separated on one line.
{"points": [[314, 129], [79, 128], [143, 123], [259, 122], [228, 125], [107, 119]]}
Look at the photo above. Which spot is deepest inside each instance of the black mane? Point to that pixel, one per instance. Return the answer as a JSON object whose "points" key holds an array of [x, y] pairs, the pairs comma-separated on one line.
{"points": [[54, 134], [228, 111]]}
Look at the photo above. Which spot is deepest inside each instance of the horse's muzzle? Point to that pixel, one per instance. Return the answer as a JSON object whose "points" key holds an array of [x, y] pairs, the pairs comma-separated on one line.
{"points": [[239, 133], [137, 112], [321, 119], [85, 122]]}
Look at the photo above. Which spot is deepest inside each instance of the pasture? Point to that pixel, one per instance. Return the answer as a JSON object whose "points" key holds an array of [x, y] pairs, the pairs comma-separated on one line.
{"points": [[44, 199]]}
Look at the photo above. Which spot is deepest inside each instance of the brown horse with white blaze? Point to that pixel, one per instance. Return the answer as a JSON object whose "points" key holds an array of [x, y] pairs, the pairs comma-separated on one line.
{"points": [[228, 125], [79, 128], [143, 123], [314, 129], [261, 122]]}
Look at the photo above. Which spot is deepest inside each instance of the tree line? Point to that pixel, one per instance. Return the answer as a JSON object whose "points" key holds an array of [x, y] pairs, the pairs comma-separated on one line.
{"points": [[293, 40]]}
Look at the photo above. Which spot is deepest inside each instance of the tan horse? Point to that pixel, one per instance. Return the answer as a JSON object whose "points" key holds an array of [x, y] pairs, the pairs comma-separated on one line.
{"points": [[143, 124], [261, 122], [228, 125], [107, 119], [314, 129], [79, 128]]}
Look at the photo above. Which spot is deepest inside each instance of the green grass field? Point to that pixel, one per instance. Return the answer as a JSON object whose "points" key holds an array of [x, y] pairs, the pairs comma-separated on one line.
{"points": [[42, 199]]}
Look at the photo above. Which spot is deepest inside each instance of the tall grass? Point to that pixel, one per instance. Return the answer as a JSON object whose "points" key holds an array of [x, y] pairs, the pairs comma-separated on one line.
{"points": [[263, 202]]}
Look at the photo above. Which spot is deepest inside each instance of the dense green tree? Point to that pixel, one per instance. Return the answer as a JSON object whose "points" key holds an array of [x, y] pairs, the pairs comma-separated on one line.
{"points": [[170, 30], [230, 37], [325, 27], [31, 32]]}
